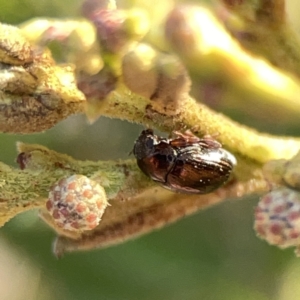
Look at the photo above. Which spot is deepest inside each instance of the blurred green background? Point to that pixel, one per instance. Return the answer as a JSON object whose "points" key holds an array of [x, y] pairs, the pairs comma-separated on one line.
{"points": [[213, 255]]}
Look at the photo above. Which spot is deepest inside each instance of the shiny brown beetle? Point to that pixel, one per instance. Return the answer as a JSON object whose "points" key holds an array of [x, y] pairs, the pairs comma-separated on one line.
{"points": [[186, 163]]}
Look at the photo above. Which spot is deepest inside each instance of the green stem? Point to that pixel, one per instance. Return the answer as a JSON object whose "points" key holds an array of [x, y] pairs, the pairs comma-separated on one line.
{"points": [[240, 139]]}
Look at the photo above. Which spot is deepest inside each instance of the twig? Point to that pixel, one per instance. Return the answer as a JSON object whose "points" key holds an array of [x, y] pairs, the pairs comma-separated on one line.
{"points": [[137, 204]]}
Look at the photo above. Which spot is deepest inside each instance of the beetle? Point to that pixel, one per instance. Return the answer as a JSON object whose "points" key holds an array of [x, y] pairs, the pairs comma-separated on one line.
{"points": [[185, 163]]}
